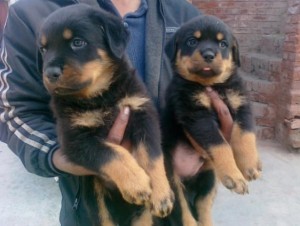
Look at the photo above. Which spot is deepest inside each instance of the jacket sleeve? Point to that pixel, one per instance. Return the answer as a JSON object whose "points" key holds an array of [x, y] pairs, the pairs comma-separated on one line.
{"points": [[26, 122]]}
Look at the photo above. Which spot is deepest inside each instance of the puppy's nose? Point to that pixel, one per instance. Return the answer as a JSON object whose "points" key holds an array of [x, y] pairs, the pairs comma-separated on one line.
{"points": [[208, 55], [53, 73]]}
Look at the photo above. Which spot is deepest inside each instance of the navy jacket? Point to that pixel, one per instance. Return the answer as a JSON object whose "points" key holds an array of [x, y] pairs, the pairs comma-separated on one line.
{"points": [[26, 122]]}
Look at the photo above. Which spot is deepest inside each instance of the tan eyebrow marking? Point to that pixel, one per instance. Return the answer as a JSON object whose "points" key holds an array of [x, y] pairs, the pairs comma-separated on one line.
{"points": [[197, 34], [67, 34], [220, 36]]}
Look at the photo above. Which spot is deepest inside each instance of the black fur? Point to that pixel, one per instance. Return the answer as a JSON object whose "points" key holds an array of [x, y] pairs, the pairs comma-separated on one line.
{"points": [[70, 41], [199, 44]]}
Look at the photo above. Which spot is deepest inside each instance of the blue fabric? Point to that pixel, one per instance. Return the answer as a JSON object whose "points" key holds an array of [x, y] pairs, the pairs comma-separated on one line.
{"points": [[135, 23]]}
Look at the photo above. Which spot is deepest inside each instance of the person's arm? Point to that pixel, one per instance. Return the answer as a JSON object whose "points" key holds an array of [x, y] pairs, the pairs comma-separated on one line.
{"points": [[26, 125]]}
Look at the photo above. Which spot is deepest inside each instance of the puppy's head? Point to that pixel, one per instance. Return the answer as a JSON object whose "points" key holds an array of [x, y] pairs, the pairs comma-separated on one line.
{"points": [[204, 51], [80, 47]]}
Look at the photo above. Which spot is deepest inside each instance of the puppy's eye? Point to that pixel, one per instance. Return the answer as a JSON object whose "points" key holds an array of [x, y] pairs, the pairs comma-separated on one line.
{"points": [[78, 43], [43, 50], [223, 44], [192, 42]]}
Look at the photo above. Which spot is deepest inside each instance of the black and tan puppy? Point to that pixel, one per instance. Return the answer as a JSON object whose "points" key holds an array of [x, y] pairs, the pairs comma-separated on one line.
{"points": [[90, 80], [204, 53]]}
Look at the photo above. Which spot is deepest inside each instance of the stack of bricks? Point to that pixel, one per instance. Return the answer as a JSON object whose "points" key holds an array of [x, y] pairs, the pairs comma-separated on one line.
{"points": [[289, 102], [267, 34]]}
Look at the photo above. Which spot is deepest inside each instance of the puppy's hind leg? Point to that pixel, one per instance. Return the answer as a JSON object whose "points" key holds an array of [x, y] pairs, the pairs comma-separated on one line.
{"points": [[206, 186]]}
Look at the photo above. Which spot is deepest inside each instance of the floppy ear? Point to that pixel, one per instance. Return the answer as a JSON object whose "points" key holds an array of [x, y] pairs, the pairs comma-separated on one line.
{"points": [[171, 49], [115, 34], [236, 52]]}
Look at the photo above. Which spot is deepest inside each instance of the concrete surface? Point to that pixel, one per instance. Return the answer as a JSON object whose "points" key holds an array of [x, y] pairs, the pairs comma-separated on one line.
{"points": [[274, 200]]}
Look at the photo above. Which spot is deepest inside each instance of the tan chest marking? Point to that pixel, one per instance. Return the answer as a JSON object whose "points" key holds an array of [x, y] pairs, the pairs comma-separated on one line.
{"points": [[134, 102], [235, 99], [202, 99], [88, 119]]}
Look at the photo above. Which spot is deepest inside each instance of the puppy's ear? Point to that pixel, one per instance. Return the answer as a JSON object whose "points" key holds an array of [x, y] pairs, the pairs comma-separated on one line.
{"points": [[115, 34], [171, 49], [236, 52]]}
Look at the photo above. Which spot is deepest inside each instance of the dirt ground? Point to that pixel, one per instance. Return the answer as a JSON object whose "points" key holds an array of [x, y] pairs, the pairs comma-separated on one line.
{"points": [[274, 200]]}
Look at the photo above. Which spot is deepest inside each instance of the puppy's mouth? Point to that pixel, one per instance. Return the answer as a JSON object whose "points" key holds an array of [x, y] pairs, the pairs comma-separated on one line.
{"points": [[65, 90], [204, 71]]}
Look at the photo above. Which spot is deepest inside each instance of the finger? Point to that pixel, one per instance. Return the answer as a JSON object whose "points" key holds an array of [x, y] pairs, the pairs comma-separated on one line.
{"points": [[117, 131], [223, 112]]}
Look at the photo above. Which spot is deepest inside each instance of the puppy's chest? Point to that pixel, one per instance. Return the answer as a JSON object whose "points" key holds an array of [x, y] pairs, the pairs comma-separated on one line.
{"points": [[234, 99], [105, 115]]}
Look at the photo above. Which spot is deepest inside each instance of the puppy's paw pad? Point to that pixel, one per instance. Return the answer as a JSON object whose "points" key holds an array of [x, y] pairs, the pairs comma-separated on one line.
{"points": [[252, 174], [137, 189], [162, 207], [138, 197], [237, 185]]}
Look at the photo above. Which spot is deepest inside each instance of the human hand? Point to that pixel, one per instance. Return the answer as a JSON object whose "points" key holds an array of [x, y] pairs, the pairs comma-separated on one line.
{"points": [[223, 113], [115, 136], [187, 162]]}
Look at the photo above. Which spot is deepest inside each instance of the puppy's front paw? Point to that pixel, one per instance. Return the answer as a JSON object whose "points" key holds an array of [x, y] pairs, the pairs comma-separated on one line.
{"points": [[251, 171], [238, 184], [136, 189], [161, 203]]}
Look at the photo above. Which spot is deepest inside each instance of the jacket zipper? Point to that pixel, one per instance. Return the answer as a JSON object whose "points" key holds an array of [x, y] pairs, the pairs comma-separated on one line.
{"points": [[76, 204]]}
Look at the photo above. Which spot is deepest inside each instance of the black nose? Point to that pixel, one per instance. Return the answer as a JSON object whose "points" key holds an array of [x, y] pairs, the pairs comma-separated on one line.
{"points": [[208, 56], [52, 73]]}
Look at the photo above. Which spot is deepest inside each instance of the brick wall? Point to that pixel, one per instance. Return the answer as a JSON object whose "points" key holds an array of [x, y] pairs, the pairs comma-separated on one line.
{"points": [[288, 126], [260, 27]]}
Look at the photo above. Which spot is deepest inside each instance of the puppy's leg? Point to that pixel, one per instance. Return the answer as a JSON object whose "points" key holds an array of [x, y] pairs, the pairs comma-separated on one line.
{"points": [[207, 189], [181, 206], [204, 132], [147, 150], [124, 171], [243, 142], [103, 214], [144, 219]]}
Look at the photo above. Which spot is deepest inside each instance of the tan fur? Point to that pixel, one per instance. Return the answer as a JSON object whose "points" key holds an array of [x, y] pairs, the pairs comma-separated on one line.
{"points": [[144, 220], [235, 99], [67, 34], [226, 168], [202, 99], [100, 72], [184, 65], [220, 36], [129, 177], [88, 119], [204, 208], [134, 102], [187, 217], [197, 34], [162, 196], [224, 164], [245, 152], [103, 214]]}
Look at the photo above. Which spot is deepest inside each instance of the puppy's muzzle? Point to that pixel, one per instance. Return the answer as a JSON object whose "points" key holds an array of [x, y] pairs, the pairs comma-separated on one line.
{"points": [[208, 55], [52, 73]]}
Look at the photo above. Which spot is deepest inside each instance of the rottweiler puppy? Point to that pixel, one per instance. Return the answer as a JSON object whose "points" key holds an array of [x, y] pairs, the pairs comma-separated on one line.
{"points": [[204, 53], [89, 78]]}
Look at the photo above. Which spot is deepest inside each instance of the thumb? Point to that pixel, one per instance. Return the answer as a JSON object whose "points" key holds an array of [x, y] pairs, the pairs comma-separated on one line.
{"points": [[117, 131]]}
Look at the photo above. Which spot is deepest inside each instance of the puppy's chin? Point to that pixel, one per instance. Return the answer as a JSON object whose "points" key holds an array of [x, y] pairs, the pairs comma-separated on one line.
{"points": [[62, 90]]}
